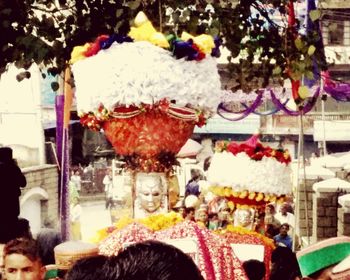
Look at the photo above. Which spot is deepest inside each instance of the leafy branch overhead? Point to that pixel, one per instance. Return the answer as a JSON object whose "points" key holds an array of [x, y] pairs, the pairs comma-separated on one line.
{"points": [[261, 51]]}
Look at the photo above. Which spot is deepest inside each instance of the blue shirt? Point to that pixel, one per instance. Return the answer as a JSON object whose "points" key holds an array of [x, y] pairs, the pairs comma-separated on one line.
{"points": [[286, 240]]}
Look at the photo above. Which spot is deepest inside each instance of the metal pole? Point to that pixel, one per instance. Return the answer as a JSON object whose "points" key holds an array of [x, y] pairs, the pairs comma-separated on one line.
{"points": [[301, 163], [324, 126]]}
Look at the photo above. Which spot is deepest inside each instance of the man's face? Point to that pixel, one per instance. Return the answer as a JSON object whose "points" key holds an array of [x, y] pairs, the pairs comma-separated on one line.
{"points": [[202, 216], [151, 194], [19, 267], [284, 230]]}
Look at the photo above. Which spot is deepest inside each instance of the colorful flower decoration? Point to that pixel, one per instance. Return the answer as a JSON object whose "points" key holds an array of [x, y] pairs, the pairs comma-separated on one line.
{"points": [[250, 173], [254, 149]]}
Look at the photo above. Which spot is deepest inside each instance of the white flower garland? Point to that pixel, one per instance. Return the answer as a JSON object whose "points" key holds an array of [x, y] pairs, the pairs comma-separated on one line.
{"points": [[242, 173], [139, 72]]}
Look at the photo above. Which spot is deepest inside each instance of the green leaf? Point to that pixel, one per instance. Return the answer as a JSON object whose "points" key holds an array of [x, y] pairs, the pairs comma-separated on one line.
{"points": [[309, 75], [315, 15], [119, 12], [133, 5], [311, 50], [277, 70], [299, 43]]}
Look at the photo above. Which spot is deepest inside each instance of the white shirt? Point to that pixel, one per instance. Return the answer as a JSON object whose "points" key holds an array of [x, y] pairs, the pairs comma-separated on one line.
{"points": [[75, 213], [288, 218]]}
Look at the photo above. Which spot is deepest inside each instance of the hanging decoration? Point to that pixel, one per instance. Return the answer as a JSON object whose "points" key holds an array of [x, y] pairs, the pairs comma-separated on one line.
{"points": [[150, 98], [338, 90]]}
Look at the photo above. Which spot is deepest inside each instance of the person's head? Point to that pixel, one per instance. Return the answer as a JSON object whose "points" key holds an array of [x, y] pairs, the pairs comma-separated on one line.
{"points": [[23, 228], [182, 211], [5, 154], [271, 230], [190, 213], [149, 191], [91, 268], [284, 228], [47, 240], [254, 269], [270, 209], [202, 215], [22, 260], [284, 264], [284, 208], [157, 261], [223, 210]]}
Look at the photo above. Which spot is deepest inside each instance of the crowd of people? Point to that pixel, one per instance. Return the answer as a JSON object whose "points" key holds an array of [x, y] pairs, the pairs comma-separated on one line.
{"points": [[28, 258]]}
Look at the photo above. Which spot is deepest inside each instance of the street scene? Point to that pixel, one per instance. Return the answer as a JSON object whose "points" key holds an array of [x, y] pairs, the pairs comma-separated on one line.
{"points": [[168, 140]]}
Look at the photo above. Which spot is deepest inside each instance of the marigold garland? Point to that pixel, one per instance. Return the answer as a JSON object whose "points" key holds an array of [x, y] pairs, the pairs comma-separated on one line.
{"points": [[154, 222]]}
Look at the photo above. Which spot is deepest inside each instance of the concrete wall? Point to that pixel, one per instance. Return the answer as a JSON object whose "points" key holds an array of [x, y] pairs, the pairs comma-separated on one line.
{"points": [[39, 199]]}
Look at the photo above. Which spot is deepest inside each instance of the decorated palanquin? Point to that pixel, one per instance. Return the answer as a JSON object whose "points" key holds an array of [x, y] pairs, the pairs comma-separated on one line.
{"points": [[212, 254], [146, 92], [247, 176], [250, 174]]}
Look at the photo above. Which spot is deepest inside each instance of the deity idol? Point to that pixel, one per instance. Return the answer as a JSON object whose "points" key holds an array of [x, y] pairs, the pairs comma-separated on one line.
{"points": [[150, 194]]}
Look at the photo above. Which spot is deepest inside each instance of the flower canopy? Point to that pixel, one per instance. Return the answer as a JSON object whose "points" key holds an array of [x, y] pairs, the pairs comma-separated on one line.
{"points": [[147, 68], [251, 170]]}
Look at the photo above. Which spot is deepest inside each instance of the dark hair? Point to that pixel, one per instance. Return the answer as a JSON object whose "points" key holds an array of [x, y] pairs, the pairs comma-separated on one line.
{"points": [[158, 261], [254, 269], [47, 240], [189, 210], [285, 225], [23, 229], [149, 260], [90, 268], [284, 264], [23, 246]]}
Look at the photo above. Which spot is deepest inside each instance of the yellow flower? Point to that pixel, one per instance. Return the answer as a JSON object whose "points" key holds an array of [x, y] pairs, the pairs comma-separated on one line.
{"points": [[259, 197], [243, 194], [159, 40], [251, 195], [78, 53], [227, 192], [204, 42], [144, 31]]}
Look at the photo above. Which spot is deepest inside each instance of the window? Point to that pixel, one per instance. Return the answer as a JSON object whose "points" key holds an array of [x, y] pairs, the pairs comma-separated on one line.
{"points": [[336, 33]]}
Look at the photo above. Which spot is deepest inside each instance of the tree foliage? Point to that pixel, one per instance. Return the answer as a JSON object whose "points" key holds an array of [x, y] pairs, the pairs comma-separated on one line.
{"points": [[45, 31]]}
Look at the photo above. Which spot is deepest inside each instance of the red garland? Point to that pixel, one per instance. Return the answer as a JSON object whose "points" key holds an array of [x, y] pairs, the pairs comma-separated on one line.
{"points": [[255, 152]]}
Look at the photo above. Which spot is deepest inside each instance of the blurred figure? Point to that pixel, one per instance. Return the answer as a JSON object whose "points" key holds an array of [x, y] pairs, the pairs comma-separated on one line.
{"points": [[12, 180], [75, 215], [202, 217], [108, 183], [284, 265], [254, 269], [47, 239], [76, 180], [283, 239], [271, 223], [22, 261], [285, 216], [142, 261], [192, 186], [213, 221], [190, 214]]}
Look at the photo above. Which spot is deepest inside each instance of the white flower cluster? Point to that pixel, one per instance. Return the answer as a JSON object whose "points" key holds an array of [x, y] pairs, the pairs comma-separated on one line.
{"points": [[267, 176], [139, 72]]}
